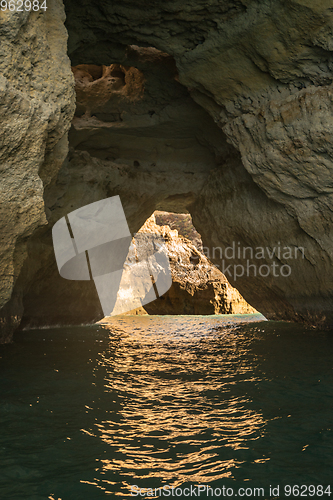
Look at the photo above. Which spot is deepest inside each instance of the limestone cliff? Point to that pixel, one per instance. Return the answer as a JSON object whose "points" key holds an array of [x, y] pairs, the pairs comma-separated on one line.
{"points": [[220, 109]]}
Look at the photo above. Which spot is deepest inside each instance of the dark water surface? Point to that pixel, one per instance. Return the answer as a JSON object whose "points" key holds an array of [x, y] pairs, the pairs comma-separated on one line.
{"points": [[88, 412]]}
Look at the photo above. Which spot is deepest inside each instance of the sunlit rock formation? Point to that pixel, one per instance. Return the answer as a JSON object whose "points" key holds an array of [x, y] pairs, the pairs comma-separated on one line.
{"points": [[225, 111], [184, 225], [198, 287]]}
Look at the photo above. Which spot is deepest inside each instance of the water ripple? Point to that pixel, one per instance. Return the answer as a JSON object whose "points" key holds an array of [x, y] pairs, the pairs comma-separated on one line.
{"points": [[88, 412]]}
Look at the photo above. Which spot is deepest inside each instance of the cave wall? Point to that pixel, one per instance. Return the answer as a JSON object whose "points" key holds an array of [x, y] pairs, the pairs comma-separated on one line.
{"points": [[36, 109], [230, 118]]}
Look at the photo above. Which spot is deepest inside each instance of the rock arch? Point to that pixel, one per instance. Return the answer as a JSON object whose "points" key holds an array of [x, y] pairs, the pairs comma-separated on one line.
{"points": [[242, 92]]}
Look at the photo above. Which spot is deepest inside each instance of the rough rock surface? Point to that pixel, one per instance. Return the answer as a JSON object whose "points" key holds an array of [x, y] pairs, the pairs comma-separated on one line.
{"points": [[36, 108], [183, 223], [197, 287], [251, 159]]}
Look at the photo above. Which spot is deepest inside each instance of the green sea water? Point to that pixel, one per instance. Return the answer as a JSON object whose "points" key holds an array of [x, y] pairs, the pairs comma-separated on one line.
{"points": [[167, 402]]}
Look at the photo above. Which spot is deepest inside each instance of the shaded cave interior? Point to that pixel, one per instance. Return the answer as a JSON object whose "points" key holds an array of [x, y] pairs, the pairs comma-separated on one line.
{"points": [[140, 134]]}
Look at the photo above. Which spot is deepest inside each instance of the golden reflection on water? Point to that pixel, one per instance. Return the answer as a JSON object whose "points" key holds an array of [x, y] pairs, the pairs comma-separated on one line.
{"points": [[173, 380]]}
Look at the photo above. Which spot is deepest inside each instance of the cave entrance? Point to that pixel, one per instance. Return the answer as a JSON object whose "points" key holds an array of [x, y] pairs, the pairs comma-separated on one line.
{"points": [[138, 134]]}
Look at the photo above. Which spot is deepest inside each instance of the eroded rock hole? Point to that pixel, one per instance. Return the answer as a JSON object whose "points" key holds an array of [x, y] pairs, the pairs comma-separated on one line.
{"points": [[117, 72], [100, 89]]}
